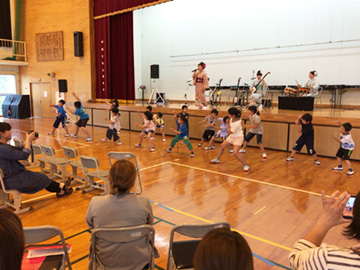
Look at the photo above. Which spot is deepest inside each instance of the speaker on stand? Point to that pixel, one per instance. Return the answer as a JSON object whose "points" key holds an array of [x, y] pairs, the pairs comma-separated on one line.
{"points": [[155, 94]]}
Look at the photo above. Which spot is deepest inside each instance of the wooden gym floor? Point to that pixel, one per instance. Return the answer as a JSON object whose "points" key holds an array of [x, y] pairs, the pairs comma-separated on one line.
{"points": [[272, 205]]}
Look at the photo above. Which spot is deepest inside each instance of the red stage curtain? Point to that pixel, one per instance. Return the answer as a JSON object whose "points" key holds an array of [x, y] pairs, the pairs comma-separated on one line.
{"points": [[102, 7]]}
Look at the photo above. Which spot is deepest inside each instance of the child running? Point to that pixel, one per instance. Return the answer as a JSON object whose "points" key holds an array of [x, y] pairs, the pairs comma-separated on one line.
{"points": [[184, 111], [306, 137], [256, 128], [113, 104], [148, 127], [182, 134], [209, 127], [235, 138], [222, 133], [346, 147], [114, 127], [84, 118], [159, 124], [60, 118]]}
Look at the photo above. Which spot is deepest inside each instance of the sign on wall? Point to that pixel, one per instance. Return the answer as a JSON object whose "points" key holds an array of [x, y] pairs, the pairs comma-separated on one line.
{"points": [[49, 46]]}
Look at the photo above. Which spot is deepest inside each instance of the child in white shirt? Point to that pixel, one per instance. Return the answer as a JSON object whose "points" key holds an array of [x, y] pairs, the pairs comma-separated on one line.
{"points": [[114, 127]]}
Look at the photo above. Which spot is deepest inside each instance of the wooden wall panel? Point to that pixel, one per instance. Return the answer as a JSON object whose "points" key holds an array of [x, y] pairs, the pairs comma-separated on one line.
{"points": [[125, 119], [99, 118], [275, 136]]}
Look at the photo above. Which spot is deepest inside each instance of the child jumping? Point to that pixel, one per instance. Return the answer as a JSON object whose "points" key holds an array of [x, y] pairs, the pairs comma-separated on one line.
{"points": [[148, 127], [222, 133], [209, 127], [114, 127], [159, 124], [256, 128], [346, 147], [306, 138], [182, 134], [235, 138], [60, 118], [84, 118]]}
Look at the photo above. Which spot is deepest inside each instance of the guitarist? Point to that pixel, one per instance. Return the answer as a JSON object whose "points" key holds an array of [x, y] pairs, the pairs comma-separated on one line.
{"points": [[258, 89], [312, 84]]}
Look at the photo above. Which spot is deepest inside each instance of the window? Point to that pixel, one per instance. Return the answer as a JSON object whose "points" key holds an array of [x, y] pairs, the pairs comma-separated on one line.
{"points": [[7, 86]]}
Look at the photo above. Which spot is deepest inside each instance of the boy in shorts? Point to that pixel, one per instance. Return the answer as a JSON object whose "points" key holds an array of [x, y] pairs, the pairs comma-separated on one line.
{"points": [[306, 138], [60, 118], [346, 147], [209, 127], [159, 122], [84, 118], [222, 133]]}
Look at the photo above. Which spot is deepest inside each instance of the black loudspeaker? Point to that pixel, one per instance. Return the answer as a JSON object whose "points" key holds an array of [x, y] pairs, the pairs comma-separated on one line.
{"points": [[78, 44], [63, 86], [154, 71]]}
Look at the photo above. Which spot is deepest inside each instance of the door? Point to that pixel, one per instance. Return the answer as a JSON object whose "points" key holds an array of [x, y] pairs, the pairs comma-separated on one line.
{"points": [[41, 100]]}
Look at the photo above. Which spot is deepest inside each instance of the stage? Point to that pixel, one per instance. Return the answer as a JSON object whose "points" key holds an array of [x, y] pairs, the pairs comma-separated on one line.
{"points": [[279, 125]]}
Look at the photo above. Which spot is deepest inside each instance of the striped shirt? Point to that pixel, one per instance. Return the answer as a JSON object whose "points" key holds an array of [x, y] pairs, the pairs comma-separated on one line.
{"points": [[305, 256]]}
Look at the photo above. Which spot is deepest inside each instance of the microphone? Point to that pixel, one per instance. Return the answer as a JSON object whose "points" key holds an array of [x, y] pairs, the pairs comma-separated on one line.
{"points": [[194, 70]]}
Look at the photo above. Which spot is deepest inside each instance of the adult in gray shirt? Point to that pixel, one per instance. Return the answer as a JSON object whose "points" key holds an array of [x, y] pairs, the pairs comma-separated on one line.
{"points": [[121, 209]]}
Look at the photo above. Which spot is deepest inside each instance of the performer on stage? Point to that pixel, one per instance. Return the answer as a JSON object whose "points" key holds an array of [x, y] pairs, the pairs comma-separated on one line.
{"points": [[312, 84], [201, 82], [259, 91]]}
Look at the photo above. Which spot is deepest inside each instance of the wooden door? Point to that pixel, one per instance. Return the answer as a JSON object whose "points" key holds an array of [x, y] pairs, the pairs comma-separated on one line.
{"points": [[41, 99]]}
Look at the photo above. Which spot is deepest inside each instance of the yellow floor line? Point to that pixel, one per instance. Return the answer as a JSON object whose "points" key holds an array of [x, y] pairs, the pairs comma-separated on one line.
{"points": [[257, 212], [242, 233], [38, 198], [247, 179]]}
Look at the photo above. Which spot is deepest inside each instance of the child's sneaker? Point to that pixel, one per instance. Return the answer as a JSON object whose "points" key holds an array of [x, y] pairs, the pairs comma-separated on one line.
{"points": [[199, 144], [264, 155], [337, 168], [163, 140], [290, 159], [350, 172], [317, 162], [67, 135], [231, 151], [246, 168], [119, 143], [207, 148], [104, 140], [153, 149], [51, 133], [213, 147], [192, 155], [145, 136], [242, 150], [182, 143], [215, 161], [74, 135], [138, 145], [168, 150], [89, 139], [152, 138]]}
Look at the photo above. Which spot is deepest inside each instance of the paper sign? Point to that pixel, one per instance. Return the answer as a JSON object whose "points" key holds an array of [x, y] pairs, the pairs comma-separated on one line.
{"points": [[45, 93]]}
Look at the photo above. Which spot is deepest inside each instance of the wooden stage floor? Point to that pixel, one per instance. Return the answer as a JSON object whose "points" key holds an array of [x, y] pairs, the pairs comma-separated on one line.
{"points": [[272, 205]]}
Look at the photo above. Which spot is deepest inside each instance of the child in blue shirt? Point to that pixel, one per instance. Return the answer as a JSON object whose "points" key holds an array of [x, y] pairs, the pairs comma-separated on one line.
{"points": [[182, 134], [60, 118], [84, 118]]}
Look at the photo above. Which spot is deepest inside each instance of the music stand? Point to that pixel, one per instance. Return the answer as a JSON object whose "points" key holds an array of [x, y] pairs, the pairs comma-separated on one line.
{"points": [[155, 91]]}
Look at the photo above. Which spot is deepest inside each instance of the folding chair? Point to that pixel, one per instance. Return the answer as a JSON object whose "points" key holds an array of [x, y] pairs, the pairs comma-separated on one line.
{"points": [[122, 235], [181, 253], [42, 233], [318, 97], [16, 195], [93, 163], [54, 162], [71, 155], [19, 143], [127, 156], [36, 150]]}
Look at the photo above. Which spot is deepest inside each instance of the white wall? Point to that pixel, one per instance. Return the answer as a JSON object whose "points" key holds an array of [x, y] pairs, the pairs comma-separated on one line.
{"points": [[233, 37]]}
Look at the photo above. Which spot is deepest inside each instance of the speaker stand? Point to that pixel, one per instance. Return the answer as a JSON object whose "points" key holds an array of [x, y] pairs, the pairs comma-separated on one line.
{"points": [[155, 91]]}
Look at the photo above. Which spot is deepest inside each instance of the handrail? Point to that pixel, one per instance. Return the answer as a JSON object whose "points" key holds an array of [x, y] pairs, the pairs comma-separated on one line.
{"points": [[12, 50]]}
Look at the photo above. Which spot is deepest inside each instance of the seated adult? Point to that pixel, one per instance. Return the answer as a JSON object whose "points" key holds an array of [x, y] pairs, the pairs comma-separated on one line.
{"points": [[223, 249], [12, 241], [310, 253], [121, 209], [16, 176]]}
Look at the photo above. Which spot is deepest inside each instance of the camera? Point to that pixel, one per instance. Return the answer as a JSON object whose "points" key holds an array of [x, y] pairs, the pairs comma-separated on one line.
{"points": [[36, 133]]}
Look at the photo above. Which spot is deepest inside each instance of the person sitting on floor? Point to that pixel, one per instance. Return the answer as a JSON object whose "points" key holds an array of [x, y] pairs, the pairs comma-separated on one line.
{"points": [[16, 176]]}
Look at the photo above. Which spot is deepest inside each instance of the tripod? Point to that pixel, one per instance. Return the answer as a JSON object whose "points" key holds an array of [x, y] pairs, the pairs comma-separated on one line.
{"points": [[155, 91]]}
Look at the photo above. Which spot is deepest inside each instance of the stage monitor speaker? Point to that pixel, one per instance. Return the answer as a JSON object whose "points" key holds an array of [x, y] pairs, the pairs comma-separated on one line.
{"points": [[62, 86], [154, 71], [78, 44]]}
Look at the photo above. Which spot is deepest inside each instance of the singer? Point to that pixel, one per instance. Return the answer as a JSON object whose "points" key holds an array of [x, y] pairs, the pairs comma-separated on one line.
{"points": [[201, 82]]}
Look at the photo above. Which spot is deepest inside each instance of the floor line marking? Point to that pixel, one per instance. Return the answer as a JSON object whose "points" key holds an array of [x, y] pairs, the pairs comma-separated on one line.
{"points": [[247, 179], [37, 198], [242, 233], [154, 166], [258, 211]]}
